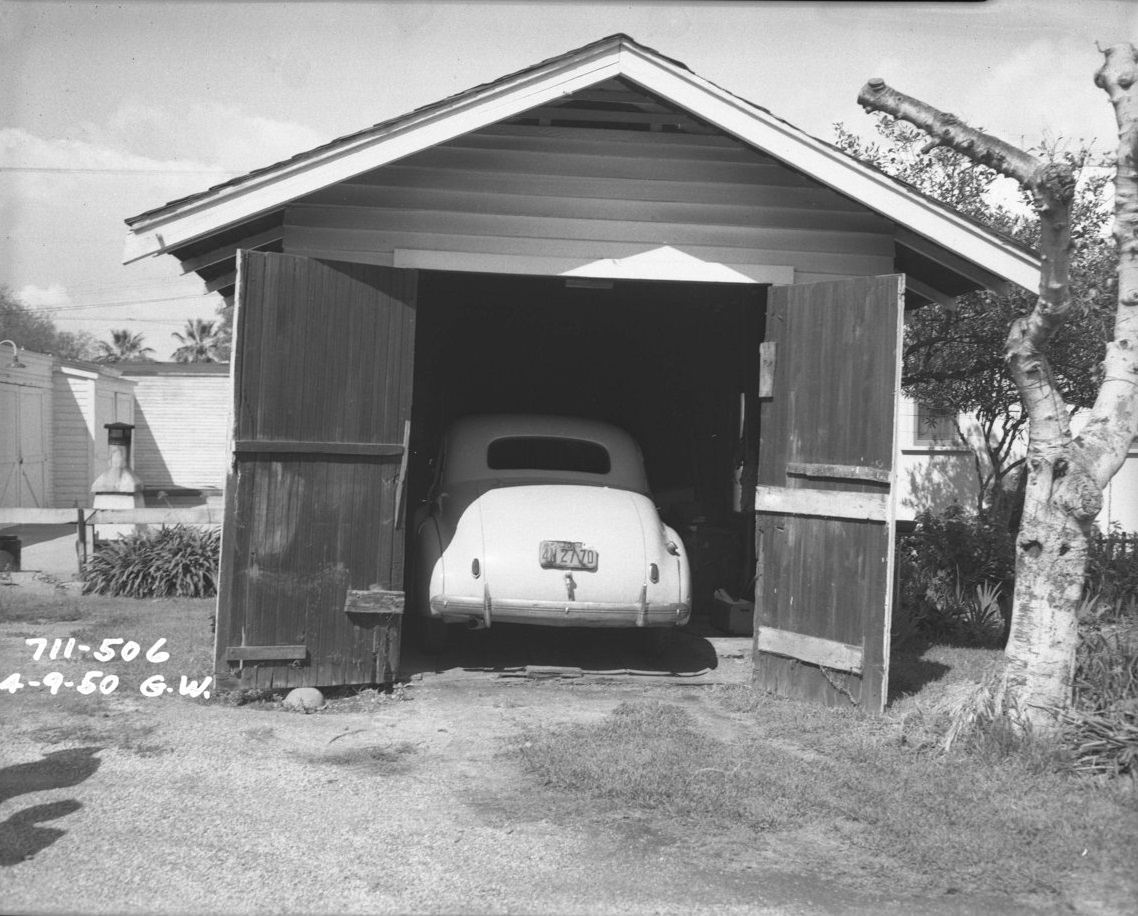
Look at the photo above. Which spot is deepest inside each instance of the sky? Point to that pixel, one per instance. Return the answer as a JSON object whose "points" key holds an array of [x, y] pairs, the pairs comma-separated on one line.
{"points": [[111, 109]]}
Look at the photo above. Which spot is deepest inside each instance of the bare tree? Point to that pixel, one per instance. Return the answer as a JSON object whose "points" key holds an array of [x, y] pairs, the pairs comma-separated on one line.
{"points": [[1066, 473]]}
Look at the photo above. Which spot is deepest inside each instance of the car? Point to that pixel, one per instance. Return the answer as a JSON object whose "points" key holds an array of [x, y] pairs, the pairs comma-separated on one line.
{"points": [[543, 520]]}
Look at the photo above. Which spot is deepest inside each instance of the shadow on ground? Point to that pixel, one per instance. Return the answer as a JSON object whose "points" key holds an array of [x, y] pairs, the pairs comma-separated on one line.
{"points": [[506, 647], [21, 837]]}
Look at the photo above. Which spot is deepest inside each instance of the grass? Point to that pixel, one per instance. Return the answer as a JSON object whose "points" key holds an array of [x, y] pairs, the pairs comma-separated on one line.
{"points": [[852, 794], [182, 622], [17, 607]]}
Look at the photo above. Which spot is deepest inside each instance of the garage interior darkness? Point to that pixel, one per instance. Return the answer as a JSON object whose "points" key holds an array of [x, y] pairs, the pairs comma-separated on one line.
{"points": [[666, 361]]}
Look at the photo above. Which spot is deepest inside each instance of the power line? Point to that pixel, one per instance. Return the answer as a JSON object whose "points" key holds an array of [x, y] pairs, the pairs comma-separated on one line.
{"points": [[117, 171], [125, 318], [98, 305]]}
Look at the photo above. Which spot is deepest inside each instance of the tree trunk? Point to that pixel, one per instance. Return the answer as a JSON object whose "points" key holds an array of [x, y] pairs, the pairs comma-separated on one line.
{"points": [[1065, 475], [1051, 558]]}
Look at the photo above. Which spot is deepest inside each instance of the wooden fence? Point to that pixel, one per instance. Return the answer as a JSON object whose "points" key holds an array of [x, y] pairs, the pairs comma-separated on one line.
{"points": [[195, 515], [1117, 545], [84, 519]]}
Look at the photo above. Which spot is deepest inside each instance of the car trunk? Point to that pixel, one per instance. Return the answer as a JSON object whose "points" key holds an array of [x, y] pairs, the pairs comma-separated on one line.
{"points": [[577, 526]]}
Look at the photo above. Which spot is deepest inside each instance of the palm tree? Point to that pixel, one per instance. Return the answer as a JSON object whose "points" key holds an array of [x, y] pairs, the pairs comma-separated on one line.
{"points": [[123, 346], [200, 342]]}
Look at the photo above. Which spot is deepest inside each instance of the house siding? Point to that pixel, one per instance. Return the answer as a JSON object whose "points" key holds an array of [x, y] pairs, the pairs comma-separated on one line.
{"points": [[84, 402], [73, 398], [938, 476], [599, 194], [181, 425]]}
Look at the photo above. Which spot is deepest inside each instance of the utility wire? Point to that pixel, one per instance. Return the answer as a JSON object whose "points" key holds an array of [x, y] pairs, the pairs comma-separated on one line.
{"points": [[54, 309], [117, 171]]}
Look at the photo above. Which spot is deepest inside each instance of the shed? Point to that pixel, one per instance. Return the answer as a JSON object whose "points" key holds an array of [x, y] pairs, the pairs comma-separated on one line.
{"points": [[181, 424], [605, 234], [25, 429]]}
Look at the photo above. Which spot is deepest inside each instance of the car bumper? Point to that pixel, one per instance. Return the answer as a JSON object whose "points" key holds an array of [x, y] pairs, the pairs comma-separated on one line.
{"points": [[484, 612]]}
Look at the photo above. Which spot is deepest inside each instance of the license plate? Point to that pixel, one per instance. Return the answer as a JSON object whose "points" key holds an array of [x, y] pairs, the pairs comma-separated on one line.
{"points": [[568, 555]]}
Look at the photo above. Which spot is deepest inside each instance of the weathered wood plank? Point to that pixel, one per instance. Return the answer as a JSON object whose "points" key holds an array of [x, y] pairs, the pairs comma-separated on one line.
{"points": [[839, 471], [20, 516], [374, 601], [308, 447], [825, 653], [767, 356], [822, 503], [266, 653], [197, 515]]}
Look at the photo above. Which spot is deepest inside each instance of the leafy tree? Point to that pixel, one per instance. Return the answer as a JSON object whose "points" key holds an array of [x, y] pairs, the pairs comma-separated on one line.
{"points": [[1066, 473], [200, 342], [32, 330], [954, 357], [123, 346]]}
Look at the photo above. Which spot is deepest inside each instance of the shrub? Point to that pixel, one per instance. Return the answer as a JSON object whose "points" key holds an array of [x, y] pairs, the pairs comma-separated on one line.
{"points": [[1102, 728], [1112, 567], [171, 562], [956, 572]]}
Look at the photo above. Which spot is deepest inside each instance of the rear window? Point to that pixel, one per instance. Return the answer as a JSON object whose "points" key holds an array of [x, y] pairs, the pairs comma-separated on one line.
{"points": [[542, 453]]}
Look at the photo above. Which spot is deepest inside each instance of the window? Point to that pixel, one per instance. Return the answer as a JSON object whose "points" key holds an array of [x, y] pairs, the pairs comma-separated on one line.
{"points": [[935, 426], [540, 453]]}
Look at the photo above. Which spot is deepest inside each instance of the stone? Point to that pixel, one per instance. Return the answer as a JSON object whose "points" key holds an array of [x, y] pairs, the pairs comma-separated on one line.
{"points": [[306, 698]]}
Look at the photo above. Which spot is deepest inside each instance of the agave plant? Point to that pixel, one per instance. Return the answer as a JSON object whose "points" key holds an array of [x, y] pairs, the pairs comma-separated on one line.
{"points": [[177, 562]]}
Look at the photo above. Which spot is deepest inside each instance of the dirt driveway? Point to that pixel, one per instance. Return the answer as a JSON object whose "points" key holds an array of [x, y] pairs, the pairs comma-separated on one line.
{"points": [[400, 803]]}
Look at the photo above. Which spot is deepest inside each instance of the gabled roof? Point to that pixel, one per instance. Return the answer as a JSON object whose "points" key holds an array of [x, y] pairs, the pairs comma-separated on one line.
{"points": [[259, 192]]}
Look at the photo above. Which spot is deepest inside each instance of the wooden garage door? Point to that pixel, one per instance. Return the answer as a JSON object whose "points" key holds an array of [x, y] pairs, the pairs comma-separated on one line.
{"points": [[826, 490], [312, 547]]}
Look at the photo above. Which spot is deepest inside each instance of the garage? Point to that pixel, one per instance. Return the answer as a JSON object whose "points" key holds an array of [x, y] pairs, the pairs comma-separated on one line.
{"points": [[668, 362], [604, 234]]}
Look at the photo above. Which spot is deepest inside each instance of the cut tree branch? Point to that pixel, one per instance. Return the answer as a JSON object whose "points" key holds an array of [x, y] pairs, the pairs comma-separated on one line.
{"points": [[1052, 185], [1113, 425]]}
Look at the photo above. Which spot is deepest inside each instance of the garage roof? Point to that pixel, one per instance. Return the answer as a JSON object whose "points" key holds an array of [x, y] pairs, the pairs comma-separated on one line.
{"points": [[253, 199]]}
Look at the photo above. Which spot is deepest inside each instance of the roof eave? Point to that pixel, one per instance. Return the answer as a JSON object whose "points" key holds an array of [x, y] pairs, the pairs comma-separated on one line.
{"points": [[182, 222], [831, 166], [159, 231]]}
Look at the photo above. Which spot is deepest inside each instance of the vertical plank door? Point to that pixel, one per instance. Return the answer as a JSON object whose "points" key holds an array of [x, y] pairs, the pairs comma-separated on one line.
{"points": [[311, 583], [826, 490]]}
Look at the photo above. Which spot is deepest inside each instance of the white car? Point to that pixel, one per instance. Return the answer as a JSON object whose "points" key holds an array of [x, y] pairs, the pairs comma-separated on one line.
{"points": [[544, 520]]}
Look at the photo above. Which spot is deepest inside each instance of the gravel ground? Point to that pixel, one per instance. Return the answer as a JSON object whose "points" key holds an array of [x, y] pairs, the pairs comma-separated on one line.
{"points": [[400, 803]]}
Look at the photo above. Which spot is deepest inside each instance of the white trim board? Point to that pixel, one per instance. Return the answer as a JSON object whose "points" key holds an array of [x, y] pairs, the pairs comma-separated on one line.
{"points": [[660, 264]]}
